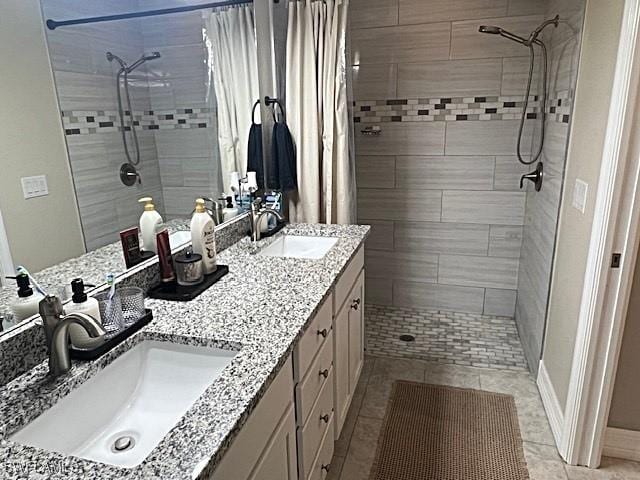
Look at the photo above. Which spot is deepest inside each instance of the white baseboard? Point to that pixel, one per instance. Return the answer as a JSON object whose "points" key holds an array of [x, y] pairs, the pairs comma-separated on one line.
{"points": [[621, 443], [555, 413]]}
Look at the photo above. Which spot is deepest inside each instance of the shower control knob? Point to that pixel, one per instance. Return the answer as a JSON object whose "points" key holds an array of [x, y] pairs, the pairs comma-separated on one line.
{"points": [[535, 177]]}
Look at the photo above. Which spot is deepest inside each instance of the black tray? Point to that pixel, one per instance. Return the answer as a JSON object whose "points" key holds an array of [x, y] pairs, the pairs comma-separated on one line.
{"points": [[112, 340], [180, 293]]}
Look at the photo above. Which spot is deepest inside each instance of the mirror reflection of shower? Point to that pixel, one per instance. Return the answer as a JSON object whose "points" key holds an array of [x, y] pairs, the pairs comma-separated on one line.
{"points": [[529, 42], [128, 173]]}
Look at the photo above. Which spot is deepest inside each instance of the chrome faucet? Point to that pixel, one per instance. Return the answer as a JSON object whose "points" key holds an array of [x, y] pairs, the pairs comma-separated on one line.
{"points": [[256, 215], [215, 212], [56, 329]]}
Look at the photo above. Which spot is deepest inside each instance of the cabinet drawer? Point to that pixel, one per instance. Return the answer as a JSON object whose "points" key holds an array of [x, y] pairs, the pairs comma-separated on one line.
{"points": [[312, 340], [314, 430], [322, 464], [347, 279], [311, 384]]}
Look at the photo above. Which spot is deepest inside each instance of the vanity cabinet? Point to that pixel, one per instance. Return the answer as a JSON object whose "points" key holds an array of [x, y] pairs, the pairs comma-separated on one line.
{"points": [[265, 448], [348, 337]]}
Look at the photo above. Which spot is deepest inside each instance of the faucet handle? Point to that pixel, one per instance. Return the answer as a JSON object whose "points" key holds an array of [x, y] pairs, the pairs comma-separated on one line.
{"points": [[50, 308]]}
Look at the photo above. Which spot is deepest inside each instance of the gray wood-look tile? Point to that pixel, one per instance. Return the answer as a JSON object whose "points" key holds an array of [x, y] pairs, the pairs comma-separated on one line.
{"points": [[515, 73], [435, 296], [467, 42], [500, 302], [373, 13], [387, 204], [378, 291], [445, 173], [408, 43], [381, 236], [434, 237], [421, 11], [404, 138], [450, 78], [471, 271], [490, 137], [505, 241], [508, 172], [526, 7], [499, 208], [374, 82], [376, 171], [400, 265]]}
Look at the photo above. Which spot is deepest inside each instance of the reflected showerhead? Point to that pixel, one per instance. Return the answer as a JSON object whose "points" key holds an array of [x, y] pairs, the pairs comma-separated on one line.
{"points": [[111, 57], [151, 56], [490, 29]]}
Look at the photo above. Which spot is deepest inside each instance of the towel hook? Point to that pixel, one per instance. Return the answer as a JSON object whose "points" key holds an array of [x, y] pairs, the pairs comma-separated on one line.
{"points": [[270, 102]]}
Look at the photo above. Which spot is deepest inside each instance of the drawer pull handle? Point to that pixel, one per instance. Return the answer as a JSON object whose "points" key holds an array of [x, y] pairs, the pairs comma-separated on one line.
{"points": [[325, 418], [324, 373], [355, 304], [323, 332], [325, 467]]}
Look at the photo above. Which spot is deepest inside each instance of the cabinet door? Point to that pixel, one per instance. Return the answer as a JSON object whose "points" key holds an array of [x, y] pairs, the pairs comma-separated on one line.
{"points": [[278, 461], [341, 367], [356, 332]]}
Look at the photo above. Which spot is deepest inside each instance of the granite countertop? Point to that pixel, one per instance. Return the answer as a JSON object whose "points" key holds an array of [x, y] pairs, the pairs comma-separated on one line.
{"points": [[261, 307], [93, 267]]}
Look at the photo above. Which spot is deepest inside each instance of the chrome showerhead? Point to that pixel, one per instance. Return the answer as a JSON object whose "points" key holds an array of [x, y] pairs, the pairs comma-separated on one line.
{"points": [[490, 29], [111, 57], [151, 56], [142, 59]]}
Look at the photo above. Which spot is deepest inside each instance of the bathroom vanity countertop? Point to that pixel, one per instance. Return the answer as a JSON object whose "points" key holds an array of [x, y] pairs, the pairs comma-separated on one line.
{"points": [[262, 307], [93, 267]]}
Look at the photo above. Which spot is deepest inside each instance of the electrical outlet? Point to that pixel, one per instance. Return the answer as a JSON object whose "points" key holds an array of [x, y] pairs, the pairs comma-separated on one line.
{"points": [[34, 186], [580, 195]]}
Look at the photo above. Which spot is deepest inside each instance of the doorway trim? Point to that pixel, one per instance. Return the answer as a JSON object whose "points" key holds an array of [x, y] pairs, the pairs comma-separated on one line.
{"points": [[606, 290], [6, 261]]}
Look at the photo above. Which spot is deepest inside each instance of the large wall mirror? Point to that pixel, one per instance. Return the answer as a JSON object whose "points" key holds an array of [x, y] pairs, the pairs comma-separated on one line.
{"points": [[154, 106]]}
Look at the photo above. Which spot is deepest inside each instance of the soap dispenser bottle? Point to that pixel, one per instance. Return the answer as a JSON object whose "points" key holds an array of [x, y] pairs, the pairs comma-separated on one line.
{"points": [[26, 305], [150, 222], [203, 239], [81, 303]]}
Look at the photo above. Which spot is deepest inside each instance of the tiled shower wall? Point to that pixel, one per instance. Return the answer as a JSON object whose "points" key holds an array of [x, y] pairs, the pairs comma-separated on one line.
{"points": [[440, 182], [176, 127], [541, 212]]}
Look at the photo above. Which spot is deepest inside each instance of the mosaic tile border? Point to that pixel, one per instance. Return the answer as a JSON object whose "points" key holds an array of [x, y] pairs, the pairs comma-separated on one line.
{"points": [[86, 122], [454, 109], [446, 337]]}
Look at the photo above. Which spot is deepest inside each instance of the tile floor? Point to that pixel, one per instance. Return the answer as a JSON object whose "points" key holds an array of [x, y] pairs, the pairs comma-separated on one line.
{"points": [[355, 449], [445, 337]]}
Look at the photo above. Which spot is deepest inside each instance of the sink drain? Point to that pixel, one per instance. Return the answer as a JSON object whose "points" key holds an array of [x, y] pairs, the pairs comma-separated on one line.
{"points": [[123, 443]]}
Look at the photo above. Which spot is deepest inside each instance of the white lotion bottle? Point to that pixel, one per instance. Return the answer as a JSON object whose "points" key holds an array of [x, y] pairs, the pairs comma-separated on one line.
{"points": [[203, 238], [81, 303], [150, 223], [27, 303]]}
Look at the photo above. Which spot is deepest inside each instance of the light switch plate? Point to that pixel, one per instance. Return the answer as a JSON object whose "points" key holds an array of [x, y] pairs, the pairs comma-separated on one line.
{"points": [[580, 195], [34, 186]]}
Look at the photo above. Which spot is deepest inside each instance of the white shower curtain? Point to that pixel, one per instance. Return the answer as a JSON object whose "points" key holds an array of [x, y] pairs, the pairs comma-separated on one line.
{"points": [[234, 68], [317, 111]]}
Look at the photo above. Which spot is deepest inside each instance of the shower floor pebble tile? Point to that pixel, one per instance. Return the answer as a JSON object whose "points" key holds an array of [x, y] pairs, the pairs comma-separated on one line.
{"points": [[483, 341]]}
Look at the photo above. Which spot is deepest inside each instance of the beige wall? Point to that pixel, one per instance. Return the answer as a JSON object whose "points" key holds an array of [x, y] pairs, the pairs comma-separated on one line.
{"points": [[625, 406], [595, 78], [45, 230]]}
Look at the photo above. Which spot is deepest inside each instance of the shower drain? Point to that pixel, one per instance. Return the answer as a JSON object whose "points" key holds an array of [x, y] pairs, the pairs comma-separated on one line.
{"points": [[123, 443], [407, 338]]}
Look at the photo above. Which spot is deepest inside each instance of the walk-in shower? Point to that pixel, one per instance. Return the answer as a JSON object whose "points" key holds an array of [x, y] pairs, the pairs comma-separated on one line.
{"points": [[530, 42], [128, 172]]}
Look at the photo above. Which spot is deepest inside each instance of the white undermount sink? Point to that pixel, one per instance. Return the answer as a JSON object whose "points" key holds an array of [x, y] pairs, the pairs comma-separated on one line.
{"points": [[298, 246], [136, 400], [179, 238]]}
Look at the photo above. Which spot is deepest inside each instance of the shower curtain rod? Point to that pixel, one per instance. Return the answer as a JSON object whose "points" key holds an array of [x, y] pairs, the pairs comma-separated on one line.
{"points": [[53, 24]]}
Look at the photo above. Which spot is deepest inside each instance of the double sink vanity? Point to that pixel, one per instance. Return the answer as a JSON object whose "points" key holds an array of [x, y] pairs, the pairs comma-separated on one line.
{"points": [[250, 380]]}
